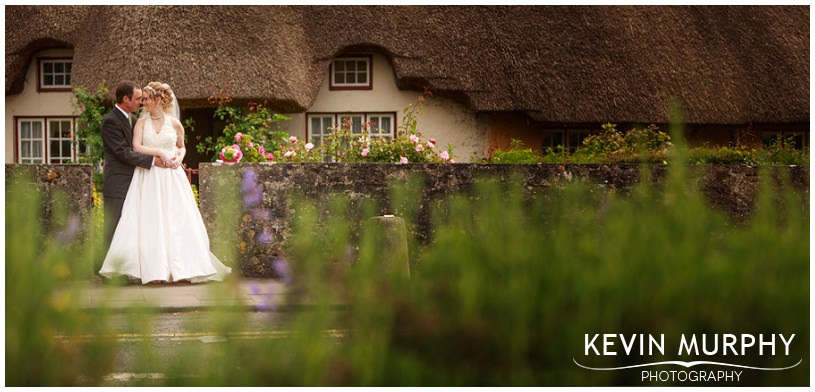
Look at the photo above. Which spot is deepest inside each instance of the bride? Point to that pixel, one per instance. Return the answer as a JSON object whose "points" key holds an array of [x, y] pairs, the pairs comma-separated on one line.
{"points": [[161, 236]]}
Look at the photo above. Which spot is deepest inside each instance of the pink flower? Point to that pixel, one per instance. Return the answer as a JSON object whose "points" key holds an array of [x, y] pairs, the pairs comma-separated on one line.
{"points": [[269, 156], [231, 153], [261, 150], [432, 140], [403, 160], [250, 144], [309, 146], [238, 137], [452, 161], [414, 139], [365, 152], [419, 148], [289, 154], [293, 139], [445, 155], [431, 145]]}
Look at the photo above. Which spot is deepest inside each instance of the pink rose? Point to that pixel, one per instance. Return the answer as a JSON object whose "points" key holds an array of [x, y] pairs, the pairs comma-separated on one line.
{"points": [[414, 139], [289, 154], [309, 146], [238, 137], [431, 145], [403, 160], [419, 148], [445, 155], [365, 152], [269, 156], [293, 139], [261, 150]]}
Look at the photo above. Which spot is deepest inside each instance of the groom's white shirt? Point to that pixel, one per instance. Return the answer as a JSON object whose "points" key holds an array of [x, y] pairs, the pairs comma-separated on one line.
{"points": [[127, 115]]}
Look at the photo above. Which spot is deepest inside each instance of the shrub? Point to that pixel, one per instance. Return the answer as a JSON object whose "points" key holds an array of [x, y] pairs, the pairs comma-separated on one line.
{"points": [[516, 154]]}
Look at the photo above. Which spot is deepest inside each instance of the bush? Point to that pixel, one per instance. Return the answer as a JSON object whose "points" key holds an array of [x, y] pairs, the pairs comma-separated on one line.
{"points": [[515, 154]]}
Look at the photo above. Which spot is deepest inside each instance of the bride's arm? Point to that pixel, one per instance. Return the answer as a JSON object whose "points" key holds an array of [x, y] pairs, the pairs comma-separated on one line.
{"points": [[182, 150], [138, 143]]}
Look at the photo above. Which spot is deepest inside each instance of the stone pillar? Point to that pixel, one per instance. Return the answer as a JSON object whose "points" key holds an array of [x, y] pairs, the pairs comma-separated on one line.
{"points": [[393, 248]]}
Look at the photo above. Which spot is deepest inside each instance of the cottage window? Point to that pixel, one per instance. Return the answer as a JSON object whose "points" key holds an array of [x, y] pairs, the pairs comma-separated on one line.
{"points": [[799, 139], [321, 125], [46, 140], [55, 74], [351, 73]]}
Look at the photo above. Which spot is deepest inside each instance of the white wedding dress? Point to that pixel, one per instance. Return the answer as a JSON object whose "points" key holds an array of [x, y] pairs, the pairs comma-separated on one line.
{"points": [[161, 235]]}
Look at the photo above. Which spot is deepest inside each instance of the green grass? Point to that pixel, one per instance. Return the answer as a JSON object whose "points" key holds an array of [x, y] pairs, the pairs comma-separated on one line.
{"points": [[503, 294]]}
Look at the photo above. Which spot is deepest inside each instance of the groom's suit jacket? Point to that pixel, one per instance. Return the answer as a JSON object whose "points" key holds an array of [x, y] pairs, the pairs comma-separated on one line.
{"points": [[120, 159]]}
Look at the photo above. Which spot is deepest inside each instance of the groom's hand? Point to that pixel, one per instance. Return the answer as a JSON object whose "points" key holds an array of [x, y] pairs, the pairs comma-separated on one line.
{"points": [[158, 162]]}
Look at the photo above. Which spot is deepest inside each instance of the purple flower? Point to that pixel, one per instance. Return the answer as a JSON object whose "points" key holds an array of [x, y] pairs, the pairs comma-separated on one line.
{"points": [[281, 268], [252, 192], [70, 231], [261, 213], [265, 238]]}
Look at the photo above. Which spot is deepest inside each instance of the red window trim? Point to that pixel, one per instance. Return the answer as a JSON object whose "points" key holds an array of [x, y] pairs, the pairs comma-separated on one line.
{"points": [[337, 114], [40, 88], [370, 86], [45, 134]]}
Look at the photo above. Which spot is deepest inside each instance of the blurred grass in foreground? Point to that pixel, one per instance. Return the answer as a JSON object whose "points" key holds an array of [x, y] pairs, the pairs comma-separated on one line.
{"points": [[503, 294]]}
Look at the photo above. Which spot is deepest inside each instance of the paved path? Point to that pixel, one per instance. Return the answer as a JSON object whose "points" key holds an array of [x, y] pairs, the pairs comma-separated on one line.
{"points": [[252, 294]]}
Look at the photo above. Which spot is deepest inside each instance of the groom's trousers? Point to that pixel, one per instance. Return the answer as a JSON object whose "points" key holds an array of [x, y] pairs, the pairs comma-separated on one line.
{"points": [[113, 212]]}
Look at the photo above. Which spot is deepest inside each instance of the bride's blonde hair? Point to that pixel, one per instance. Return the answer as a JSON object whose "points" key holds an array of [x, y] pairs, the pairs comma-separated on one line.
{"points": [[162, 90]]}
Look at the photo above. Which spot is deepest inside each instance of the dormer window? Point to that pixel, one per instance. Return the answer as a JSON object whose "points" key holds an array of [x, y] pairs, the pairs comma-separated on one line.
{"points": [[351, 73], [55, 74]]}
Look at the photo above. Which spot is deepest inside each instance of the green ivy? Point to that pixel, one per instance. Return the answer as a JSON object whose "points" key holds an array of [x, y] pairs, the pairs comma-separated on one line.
{"points": [[91, 108]]}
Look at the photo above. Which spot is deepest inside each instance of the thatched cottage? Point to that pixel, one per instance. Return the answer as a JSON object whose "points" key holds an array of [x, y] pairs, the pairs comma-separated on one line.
{"points": [[548, 75]]}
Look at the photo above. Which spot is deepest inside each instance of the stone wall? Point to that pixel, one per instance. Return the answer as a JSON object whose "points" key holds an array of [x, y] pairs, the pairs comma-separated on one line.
{"points": [[260, 193], [69, 184]]}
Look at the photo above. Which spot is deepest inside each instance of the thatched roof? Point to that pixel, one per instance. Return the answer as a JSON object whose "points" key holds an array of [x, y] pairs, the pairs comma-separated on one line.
{"points": [[728, 65]]}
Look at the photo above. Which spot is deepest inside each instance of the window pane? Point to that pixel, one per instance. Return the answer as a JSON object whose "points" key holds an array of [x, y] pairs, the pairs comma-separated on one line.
{"points": [[25, 130], [67, 79], [328, 122], [66, 148], [315, 126], [317, 141], [68, 67], [339, 78], [48, 80], [386, 125], [55, 150], [25, 149], [59, 67], [59, 80], [36, 149], [339, 66], [357, 127], [362, 78], [361, 66], [350, 66], [352, 78], [48, 67], [36, 130]]}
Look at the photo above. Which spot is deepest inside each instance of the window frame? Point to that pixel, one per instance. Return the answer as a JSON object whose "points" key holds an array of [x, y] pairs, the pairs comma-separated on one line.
{"points": [[337, 121], [369, 85], [41, 87], [45, 158]]}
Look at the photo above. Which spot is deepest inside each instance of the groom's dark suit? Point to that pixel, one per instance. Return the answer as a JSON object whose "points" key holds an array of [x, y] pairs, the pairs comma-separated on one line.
{"points": [[120, 162]]}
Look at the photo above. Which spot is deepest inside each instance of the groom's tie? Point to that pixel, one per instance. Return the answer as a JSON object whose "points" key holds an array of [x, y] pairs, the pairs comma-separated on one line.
{"points": [[130, 120]]}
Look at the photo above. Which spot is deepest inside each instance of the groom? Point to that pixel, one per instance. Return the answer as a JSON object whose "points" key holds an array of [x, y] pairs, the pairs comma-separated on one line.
{"points": [[120, 159]]}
